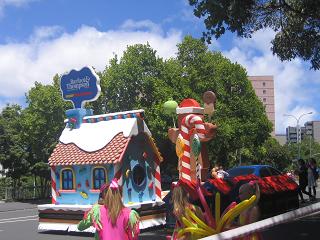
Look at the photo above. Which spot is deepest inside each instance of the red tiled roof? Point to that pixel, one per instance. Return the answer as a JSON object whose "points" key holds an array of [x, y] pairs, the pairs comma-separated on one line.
{"points": [[70, 154]]}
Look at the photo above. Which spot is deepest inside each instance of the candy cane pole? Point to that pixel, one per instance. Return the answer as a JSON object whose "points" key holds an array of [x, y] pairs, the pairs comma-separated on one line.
{"points": [[53, 185], [188, 123], [118, 173], [157, 179]]}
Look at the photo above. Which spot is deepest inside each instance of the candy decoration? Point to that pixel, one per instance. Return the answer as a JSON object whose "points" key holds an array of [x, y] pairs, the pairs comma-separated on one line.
{"points": [[233, 213], [157, 179], [207, 212], [196, 146], [199, 229], [150, 185], [170, 109], [128, 172], [118, 172], [53, 185], [217, 207], [188, 123], [209, 99], [231, 206], [145, 155], [84, 195], [79, 185], [179, 146]]}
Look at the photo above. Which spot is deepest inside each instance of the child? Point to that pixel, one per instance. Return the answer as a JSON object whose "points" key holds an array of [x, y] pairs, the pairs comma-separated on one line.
{"points": [[112, 220], [252, 214], [180, 199]]}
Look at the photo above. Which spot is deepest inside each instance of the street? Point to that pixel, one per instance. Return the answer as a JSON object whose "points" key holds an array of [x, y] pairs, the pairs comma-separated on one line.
{"points": [[19, 221]]}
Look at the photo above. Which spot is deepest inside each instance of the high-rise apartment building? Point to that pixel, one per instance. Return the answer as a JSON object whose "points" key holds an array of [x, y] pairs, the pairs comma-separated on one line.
{"points": [[313, 130], [310, 129], [264, 88]]}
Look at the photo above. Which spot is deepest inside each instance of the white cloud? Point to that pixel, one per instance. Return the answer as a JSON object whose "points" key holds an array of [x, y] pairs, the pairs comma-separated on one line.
{"points": [[293, 81], [144, 25], [16, 3], [49, 51]]}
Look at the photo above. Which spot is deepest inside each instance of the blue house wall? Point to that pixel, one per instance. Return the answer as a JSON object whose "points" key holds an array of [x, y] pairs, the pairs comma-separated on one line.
{"points": [[137, 165], [82, 194], [139, 154]]}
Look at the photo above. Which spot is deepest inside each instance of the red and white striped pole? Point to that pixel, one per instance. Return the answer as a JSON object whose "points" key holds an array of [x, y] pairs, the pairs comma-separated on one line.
{"points": [[188, 123], [157, 179], [53, 185], [118, 173]]}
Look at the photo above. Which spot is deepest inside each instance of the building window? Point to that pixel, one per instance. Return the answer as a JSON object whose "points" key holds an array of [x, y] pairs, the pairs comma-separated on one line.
{"points": [[67, 179], [99, 177], [263, 84], [264, 100], [264, 91]]}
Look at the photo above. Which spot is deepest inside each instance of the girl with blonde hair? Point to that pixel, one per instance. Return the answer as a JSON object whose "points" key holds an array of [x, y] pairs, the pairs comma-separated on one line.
{"points": [[180, 199], [112, 220], [252, 214]]}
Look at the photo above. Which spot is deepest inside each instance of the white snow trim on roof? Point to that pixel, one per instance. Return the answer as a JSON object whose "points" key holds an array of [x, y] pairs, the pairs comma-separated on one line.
{"points": [[91, 137]]}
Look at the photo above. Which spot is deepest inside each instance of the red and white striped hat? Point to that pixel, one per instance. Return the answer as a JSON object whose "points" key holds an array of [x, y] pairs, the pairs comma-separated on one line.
{"points": [[189, 105]]}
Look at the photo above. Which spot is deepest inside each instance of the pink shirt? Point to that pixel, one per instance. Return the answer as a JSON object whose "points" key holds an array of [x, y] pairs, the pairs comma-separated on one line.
{"points": [[117, 232]]}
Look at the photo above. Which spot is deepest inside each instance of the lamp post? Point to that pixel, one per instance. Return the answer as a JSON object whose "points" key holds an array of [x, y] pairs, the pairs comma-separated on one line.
{"points": [[297, 128]]}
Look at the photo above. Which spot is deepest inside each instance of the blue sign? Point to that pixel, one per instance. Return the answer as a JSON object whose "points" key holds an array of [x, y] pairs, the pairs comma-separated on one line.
{"points": [[80, 86]]}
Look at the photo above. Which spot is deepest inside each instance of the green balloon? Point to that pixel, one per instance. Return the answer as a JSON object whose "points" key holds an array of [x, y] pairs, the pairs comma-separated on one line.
{"points": [[170, 107]]}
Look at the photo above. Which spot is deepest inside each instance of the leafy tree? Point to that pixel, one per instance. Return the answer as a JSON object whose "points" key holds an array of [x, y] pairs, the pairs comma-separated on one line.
{"points": [[13, 151], [42, 125], [275, 155], [136, 81], [240, 115], [306, 146], [296, 23]]}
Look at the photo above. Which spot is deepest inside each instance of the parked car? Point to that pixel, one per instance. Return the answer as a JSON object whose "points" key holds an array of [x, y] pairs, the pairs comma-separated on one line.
{"points": [[258, 170]]}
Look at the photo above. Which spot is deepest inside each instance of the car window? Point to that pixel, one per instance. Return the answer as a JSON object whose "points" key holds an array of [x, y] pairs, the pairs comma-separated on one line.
{"points": [[274, 172], [264, 172], [234, 172]]}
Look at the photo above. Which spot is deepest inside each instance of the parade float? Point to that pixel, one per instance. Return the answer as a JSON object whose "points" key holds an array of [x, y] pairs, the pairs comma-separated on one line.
{"points": [[94, 149]]}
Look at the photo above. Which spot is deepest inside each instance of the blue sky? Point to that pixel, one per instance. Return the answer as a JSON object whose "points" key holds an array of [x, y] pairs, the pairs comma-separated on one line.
{"points": [[39, 38]]}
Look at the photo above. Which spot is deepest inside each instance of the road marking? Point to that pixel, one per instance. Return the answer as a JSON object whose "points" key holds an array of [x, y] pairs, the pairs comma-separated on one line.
{"points": [[18, 210], [1, 220], [21, 220]]}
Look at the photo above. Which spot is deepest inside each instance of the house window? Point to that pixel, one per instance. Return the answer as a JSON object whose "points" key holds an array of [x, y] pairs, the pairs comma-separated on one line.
{"points": [[99, 177], [264, 91], [67, 179], [138, 175], [264, 100], [263, 84]]}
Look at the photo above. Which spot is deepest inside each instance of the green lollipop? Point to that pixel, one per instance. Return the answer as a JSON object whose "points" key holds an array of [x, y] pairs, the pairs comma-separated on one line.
{"points": [[170, 109]]}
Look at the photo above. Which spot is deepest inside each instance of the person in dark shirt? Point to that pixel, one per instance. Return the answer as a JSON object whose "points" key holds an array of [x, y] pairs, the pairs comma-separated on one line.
{"points": [[303, 179]]}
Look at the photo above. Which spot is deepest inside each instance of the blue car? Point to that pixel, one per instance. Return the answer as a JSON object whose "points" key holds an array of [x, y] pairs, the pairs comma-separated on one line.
{"points": [[258, 170]]}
